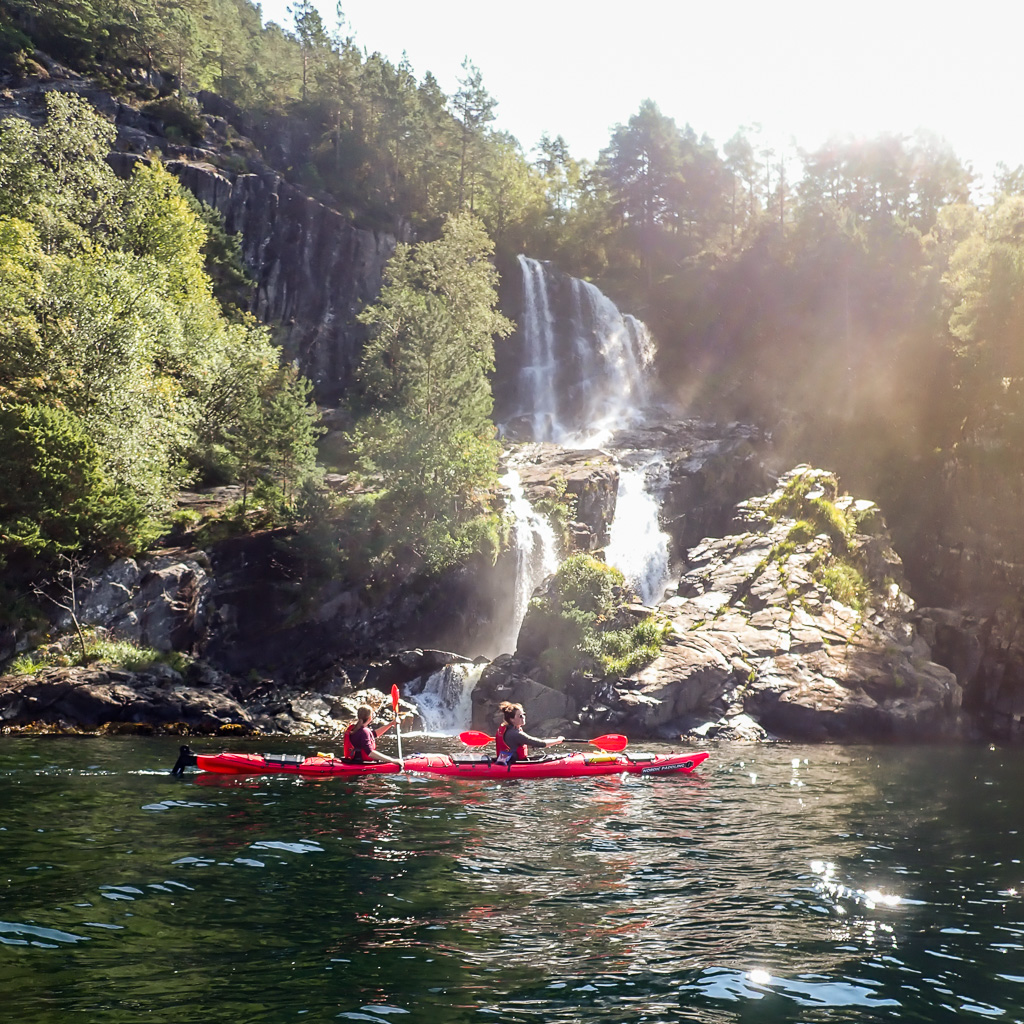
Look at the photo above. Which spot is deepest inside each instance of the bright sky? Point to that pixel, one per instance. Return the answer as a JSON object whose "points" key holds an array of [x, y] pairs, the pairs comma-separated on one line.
{"points": [[804, 70]]}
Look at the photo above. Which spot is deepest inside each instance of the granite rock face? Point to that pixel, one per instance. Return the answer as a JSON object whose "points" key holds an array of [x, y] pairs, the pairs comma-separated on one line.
{"points": [[158, 602], [314, 270]]}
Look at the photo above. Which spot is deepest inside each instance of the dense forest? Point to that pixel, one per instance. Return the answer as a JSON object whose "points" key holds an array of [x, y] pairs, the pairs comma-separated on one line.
{"points": [[865, 306]]}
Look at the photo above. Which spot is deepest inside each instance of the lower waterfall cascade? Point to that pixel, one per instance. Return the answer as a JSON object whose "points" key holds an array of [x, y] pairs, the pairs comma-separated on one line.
{"points": [[536, 556], [637, 545], [445, 703]]}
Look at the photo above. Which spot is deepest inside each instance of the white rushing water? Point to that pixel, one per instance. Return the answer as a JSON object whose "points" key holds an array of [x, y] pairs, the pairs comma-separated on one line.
{"points": [[585, 368], [585, 375], [538, 372], [446, 701], [536, 556], [614, 351], [637, 545]]}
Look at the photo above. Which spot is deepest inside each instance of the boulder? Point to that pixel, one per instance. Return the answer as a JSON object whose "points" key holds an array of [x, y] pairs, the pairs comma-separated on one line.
{"points": [[97, 699], [158, 602]]}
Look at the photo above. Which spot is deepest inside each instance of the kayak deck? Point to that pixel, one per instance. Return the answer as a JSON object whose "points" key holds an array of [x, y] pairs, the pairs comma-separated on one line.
{"points": [[570, 766], [575, 765]]}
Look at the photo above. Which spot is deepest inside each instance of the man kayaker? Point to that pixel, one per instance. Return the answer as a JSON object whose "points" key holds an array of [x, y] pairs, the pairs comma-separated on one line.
{"points": [[510, 741], [361, 739]]}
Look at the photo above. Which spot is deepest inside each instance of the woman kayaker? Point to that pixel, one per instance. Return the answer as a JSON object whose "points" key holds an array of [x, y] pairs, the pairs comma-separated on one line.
{"points": [[511, 742], [361, 739]]}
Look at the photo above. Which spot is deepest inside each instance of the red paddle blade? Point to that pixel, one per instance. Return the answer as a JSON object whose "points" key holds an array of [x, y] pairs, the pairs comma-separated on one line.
{"points": [[475, 739], [611, 741], [394, 698]]}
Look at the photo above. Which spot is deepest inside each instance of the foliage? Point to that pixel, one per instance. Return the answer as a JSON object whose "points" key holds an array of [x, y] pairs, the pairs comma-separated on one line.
{"points": [[100, 648], [55, 495], [181, 118], [573, 624], [802, 532], [427, 444], [586, 583], [120, 376], [819, 513], [853, 298], [559, 509], [844, 583], [621, 651], [434, 328]]}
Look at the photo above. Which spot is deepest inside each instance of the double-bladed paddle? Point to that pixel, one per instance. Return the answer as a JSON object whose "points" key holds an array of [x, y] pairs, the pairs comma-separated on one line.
{"points": [[611, 741]]}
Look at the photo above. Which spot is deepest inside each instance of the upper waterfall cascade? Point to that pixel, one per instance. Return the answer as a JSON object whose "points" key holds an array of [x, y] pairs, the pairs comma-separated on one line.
{"points": [[584, 367]]}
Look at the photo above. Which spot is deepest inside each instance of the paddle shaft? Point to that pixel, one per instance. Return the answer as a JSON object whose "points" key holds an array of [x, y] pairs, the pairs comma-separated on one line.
{"points": [[398, 719], [610, 741]]}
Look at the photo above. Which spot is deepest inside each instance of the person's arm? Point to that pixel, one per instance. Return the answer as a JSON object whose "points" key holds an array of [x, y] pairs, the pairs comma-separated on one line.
{"points": [[376, 755], [517, 738], [384, 728]]}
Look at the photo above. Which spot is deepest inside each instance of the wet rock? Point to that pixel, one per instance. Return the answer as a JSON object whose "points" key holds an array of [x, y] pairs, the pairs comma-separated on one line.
{"points": [[589, 476], [93, 699], [548, 709], [760, 646]]}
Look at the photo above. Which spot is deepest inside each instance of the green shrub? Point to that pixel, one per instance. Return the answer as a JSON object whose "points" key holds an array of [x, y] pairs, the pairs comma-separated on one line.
{"points": [[844, 583], [802, 532], [621, 651], [791, 501], [832, 521], [98, 649], [560, 509], [54, 494], [816, 515], [181, 115], [567, 625], [14, 41], [585, 582]]}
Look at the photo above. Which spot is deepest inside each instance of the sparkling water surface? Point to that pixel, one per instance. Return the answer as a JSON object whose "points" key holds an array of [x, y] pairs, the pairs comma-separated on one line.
{"points": [[782, 883]]}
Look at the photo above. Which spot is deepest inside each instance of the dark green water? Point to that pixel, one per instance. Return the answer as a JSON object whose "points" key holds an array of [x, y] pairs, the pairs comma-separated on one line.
{"points": [[786, 883]]}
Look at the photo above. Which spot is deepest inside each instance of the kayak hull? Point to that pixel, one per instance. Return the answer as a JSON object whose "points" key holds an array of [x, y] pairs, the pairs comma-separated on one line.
{"points": [[570, 766]]}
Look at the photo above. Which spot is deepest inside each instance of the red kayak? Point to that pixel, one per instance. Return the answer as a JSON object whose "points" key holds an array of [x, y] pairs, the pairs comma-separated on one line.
{"points": [[568, 766]]}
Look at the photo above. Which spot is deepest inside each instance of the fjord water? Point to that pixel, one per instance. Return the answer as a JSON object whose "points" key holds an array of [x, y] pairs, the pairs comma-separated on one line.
{"points": [[785, 883]]}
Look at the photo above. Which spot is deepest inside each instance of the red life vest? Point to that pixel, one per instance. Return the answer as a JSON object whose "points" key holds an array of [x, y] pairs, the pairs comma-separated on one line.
{"points": [[349, 752], [501, 746]]}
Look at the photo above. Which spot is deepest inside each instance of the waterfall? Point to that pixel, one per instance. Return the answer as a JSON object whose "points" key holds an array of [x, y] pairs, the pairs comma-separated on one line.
{"points": [[613, 352], [538, 370], [637, 545], [584, 374], [445, 703], [536, 555], [585, 364]]}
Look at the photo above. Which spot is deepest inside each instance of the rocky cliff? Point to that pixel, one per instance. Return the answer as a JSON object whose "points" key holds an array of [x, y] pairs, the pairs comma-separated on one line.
{"points": [[776, 629], [313, 268]]}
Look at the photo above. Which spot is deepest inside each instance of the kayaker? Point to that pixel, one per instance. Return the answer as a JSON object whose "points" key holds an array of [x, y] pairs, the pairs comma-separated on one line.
{"points": [[361, 739], [510, 741]]}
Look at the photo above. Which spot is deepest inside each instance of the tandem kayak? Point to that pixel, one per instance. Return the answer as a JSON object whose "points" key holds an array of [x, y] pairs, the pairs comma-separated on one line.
{"points": [[568, 766]]}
